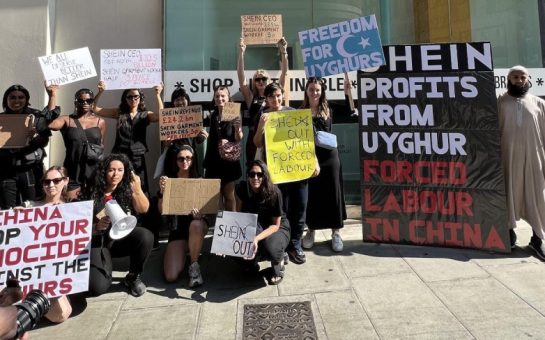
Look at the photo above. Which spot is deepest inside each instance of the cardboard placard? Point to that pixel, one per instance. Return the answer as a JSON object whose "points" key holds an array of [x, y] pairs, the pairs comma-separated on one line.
{"points": [[289, 140], [181, 195], [13, 132], [127, 69], [260, 29], [47, 247], [67, 67], [231, 111], [180, 122], [341, 47], [234, 234]]}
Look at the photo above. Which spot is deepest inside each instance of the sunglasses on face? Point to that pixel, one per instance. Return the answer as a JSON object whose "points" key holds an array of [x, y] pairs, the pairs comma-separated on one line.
{"points": [[85, 101], [253, 174], [47, 182], [186, 159], [133, 97], [263, 79]]}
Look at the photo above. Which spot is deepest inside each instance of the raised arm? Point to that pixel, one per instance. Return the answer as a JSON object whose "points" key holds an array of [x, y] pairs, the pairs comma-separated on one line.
{"points": [[58, 123], [104, 112], [259, 133], [283, 50], [102, 127], [244, 88], [140, 201]]}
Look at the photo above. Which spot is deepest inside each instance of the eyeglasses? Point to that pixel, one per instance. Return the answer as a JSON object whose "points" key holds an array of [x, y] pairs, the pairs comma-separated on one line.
{"points": [[134, 97], [253, 174], [186, 158], [85, 101], [261, 79], [47, 182]]}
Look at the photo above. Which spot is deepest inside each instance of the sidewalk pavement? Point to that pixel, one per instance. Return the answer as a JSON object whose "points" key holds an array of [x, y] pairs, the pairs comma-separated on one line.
{"points": [[369, 291]]}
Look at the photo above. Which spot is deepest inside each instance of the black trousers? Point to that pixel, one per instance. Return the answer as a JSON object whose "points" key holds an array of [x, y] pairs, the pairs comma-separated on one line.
{"points": [[294, 204], [137, 245], [18, 188]]}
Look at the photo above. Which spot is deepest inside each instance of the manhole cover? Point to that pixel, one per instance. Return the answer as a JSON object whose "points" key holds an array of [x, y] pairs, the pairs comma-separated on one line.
{"points": [[290, 320]]}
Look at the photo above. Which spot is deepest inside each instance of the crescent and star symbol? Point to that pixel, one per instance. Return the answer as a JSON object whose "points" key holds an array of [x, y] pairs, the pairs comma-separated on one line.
{"points": [[364, 42]]}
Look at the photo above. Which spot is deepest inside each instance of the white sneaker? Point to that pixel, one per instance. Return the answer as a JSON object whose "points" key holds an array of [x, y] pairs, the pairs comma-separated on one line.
{"points": [[195, 277], [308, 240], [336, 241]]}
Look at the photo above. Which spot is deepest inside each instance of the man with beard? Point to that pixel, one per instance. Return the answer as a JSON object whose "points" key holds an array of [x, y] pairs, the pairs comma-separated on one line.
{"points": [[522, 127]]}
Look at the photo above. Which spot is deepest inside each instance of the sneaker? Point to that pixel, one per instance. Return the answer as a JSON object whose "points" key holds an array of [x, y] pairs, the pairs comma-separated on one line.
{"points": [[336, 242], [134, 283], [195, 277], [537, 245], [513, 238], [308, 240], [297, 255]]}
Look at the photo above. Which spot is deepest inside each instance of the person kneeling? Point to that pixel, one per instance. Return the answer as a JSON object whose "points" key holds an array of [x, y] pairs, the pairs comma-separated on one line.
{"points": [[258, 195]]}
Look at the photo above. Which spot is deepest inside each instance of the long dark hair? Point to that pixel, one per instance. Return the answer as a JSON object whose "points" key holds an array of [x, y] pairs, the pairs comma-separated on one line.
{"points": [[323, 106], [266, 193], [123, 192], [179, 93], [11, 89], [124, 107], [171, 163]]}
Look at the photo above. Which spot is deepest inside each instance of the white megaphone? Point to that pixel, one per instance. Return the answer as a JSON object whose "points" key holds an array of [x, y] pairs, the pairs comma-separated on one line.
{"points": [[122, 224]]}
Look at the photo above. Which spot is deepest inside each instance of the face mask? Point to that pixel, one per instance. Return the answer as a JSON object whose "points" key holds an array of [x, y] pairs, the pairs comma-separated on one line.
{"points": [[517, 90]]}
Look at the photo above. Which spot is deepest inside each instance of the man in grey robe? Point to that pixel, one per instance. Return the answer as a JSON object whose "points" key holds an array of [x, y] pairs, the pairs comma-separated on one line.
{"points": [[522, 127]]}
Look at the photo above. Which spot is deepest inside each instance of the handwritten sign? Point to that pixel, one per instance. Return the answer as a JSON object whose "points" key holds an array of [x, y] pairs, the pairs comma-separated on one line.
{"points": [[261, 28], [126, 69], [345, 46], [47, 247], [12, 134], [67, 67], [289, 142], [180, 122], [234, 234], [181, 195], [231, 111]]}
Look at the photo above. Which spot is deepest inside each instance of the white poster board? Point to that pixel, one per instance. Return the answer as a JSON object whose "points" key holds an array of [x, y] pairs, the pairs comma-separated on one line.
{"points": [[67, 67], [234, 234], [47, 247], [128, 69]]}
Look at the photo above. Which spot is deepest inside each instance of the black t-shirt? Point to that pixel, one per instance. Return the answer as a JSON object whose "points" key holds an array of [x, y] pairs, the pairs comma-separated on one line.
{"points": [[266, 212]]}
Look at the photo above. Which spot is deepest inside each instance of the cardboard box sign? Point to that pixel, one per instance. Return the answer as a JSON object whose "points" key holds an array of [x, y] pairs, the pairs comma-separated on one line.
{"points": [[234, 234], [180, 122], [13, 132], [231, 111], [181, 195], [261, 29]]}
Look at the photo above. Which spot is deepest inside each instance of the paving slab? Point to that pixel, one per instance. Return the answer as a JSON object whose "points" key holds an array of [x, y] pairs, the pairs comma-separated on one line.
{"points": [[488, 309], [368, 259], [217, 321], [171, 322]]}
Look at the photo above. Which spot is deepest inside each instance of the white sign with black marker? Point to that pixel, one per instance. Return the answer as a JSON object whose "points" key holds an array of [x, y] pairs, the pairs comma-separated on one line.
{"points": [[234, 234]]}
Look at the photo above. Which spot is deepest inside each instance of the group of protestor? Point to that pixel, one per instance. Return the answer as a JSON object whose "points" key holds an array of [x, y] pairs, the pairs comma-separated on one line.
{"points": [[90, 173]]}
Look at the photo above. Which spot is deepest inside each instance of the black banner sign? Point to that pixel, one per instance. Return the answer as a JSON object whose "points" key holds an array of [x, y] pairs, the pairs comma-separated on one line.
{"points": [[430, 148]]}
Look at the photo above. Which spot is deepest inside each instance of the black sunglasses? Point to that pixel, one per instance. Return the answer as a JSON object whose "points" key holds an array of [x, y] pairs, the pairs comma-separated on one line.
{"points": [[253, 174], [47, 182], [85, 101], [133, 97], [186, 158], [261, 79]]}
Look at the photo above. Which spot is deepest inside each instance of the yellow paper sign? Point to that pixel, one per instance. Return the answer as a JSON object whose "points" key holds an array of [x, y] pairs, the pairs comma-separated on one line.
{"points": [[289, 142]]}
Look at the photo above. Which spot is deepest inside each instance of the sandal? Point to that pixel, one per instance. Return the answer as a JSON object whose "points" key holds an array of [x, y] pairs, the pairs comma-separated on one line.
{"points": [[277, 273]]}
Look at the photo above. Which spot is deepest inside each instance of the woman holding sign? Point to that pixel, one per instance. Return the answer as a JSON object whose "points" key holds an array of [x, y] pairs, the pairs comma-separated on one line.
{"points": [[79, 130], [222, 159], [258, 195], [188, 231], [294, 194], [326, 208], [254, 97], [116, 180], [54, 183], [23, 167], [132, 121]]}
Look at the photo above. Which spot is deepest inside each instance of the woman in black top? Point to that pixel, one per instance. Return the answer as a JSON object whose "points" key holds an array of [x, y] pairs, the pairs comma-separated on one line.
{"points": [[22, 168], [223, 132], [132, 121], [77, 129], [258, 195]]}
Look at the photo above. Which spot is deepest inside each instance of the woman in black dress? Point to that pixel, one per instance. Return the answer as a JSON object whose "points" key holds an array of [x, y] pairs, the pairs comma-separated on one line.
{"points": [[132, 121], [326, 207], [223, 132], [77, 129]]}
